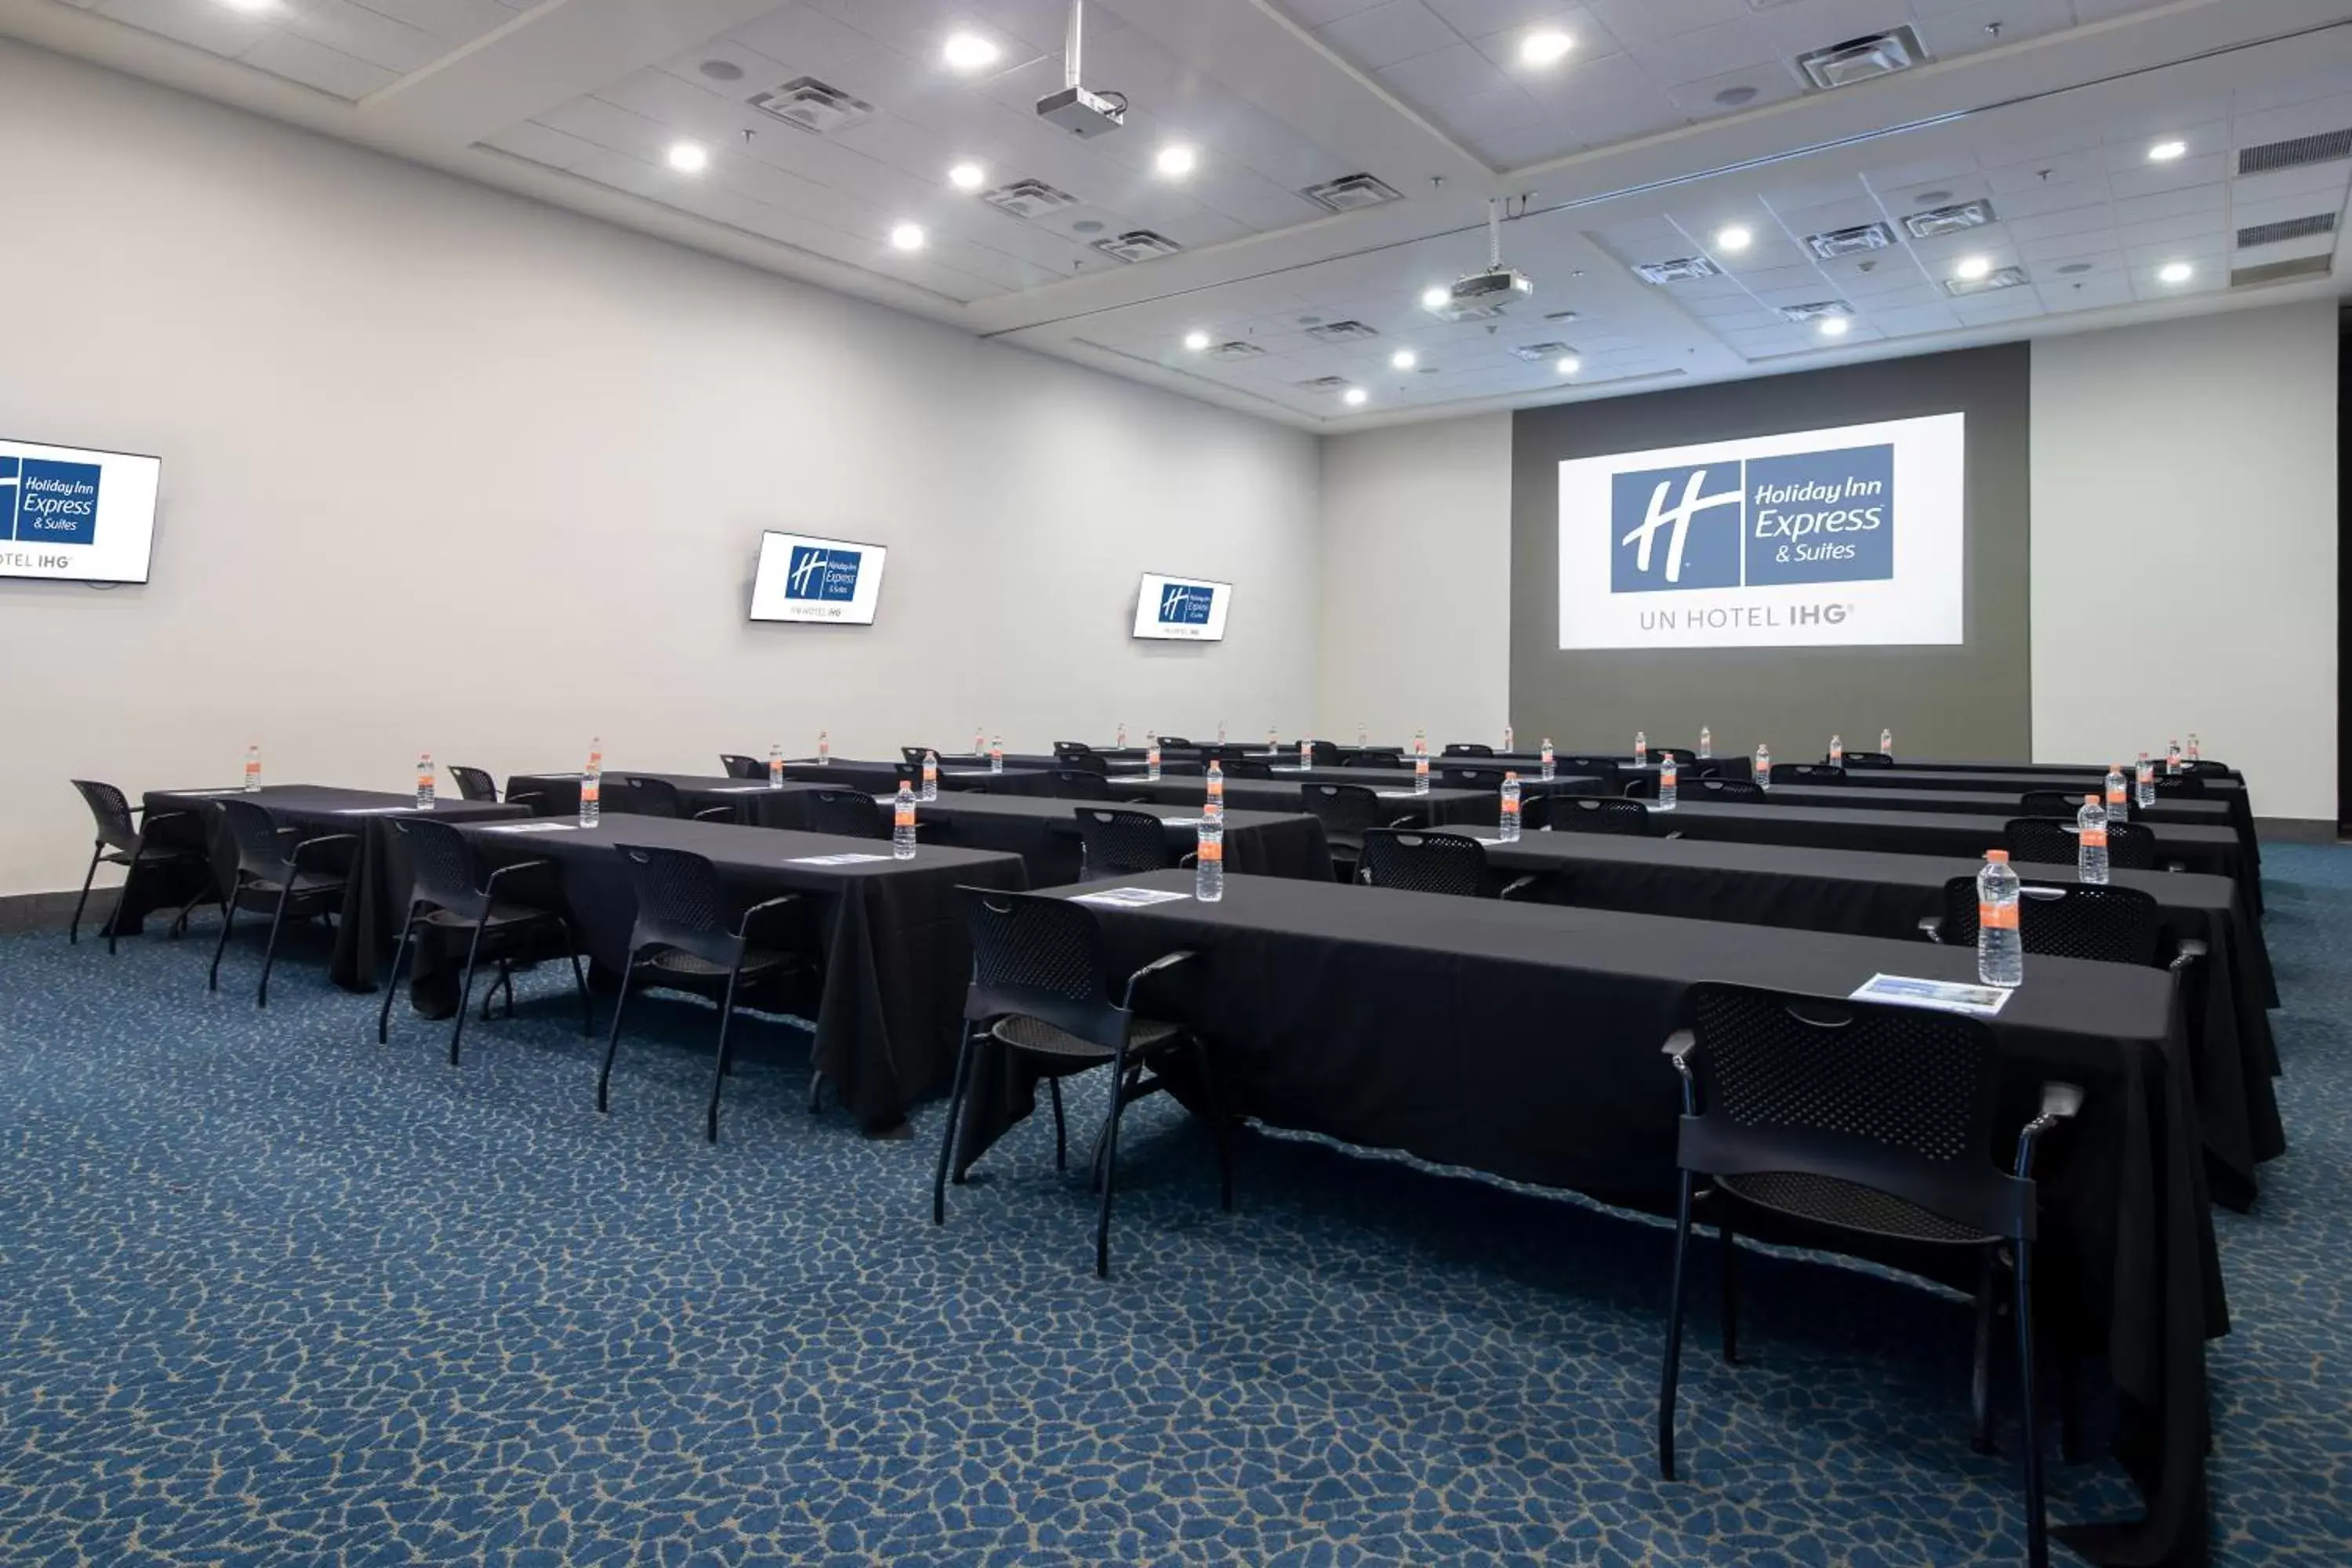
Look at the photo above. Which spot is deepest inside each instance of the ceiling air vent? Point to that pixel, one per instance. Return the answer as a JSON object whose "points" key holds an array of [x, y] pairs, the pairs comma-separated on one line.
{"points": [[2285, 229], [2299, 152], [2280, 271], [1324, 383], [1831, 244], [1937, 222], [1819, 309], [1341, 332], [1237, 349], [1680, 270], [1861, 60], [812, 105], [1532, 353], [1350, 193], [1137, 244], [1028, 199], [1998, 278]]}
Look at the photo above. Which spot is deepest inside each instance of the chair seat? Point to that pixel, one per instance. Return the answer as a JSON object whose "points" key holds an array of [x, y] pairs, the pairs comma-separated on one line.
{"points": [[307, 884], [1035, 1035], [156, 854], [1850, 1206], [500, 916], [758, 962]]}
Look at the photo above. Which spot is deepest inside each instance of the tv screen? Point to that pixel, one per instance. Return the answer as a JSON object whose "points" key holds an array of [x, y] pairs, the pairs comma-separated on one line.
{"points": [[1182, 609], [830, 582], [76, 516]]}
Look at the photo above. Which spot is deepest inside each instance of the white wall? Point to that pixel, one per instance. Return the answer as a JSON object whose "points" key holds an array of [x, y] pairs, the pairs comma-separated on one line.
{"points": [[1416, 573], [2184, 546], [446, 468]]}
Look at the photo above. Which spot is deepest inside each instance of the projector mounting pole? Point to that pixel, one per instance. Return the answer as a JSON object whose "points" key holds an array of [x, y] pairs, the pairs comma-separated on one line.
{"points": [[1070, 52], [1494, 235]]}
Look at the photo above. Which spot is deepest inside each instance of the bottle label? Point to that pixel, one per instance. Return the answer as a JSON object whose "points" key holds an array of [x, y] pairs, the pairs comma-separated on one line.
{"points": [[905, 814], [2095, 837], [1996, 917], [1213, 851]]}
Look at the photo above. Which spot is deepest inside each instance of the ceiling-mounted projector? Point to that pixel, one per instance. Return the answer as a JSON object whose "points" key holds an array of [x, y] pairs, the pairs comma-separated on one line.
{"points": [[1073, 109], [1482, 294]]}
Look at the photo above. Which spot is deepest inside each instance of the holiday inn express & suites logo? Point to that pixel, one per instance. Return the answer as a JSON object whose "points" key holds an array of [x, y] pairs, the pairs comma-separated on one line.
{"points": [[44, 501], [825, 575], [1806, 517]]}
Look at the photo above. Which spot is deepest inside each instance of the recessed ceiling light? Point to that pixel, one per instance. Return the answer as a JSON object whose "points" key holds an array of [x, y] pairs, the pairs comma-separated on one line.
{"points": [[1568, 364], [969, 51], [2166, 152], [1355, 396], [1176, 160], [1735, 97], [1972, 268], [721, 70], [1832, 326], [967, 176], [1404, 359], [2175, 272], [1196, 340], [908, 236], [1738, 236], [688, 157], [1435, 298], [251, 7], [1545, 47]]}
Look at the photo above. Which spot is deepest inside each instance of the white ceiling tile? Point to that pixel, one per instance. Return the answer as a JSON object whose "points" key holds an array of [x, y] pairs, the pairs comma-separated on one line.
{"points": [[1387, 34], [1910, 320], [2091, 293], [1315, 13], [2148, 179], [1962, 30], [2313, 118], [2196, 199], [2058, 249], [452, 21], [366, 34], [1538, 143], [288, 54], [1711, 51], [1794, 29], [1476, 18], [542, 144], [802, 39], [1643, 21], [1751, 87], [2031, 201], [1457, 73], [2000, 305], [214, 27], [2061, 169]]}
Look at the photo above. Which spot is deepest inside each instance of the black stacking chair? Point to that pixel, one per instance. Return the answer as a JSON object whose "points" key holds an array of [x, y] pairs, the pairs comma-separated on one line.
{"points": [[1461, 777], [1870, 758], [1121, 843], [1081, 784], [450, 893], [1065, 749], [845, 814], [1247, 768], [1348, 812], [1723, 789], [681, 941], [1377, 757], [1080, 761], [1323, 754], [1040, 988], [914, 756], [2051, 841], [2181, 787], [1809, 773], [1869, 1121], [271, 874], [475, 784], [2104, 924], [737, 767], [1418, 862], [1168, 741], [2204, 767], [659, 797], [2054, 802], [1468, 749], [122, 842], [1683, 756], [1589, 814]]}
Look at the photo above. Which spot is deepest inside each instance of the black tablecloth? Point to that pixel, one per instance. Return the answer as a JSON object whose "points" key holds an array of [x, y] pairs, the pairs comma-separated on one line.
{"points": [[375, 897], [1524, 1040], [1044, 834], [1861, 893], [895, 958], [1439, 807], [751, 801], [1984, 802], [955, 773], [2083, 780]]}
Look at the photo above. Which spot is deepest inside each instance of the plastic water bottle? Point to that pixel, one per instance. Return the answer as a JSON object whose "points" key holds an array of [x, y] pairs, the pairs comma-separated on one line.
{"points": [[1421, 742], [1221, 732], [1641, 748], [1887, 742], [1305, 755], [1363, 736], [2118, 801], [1209, 861], [2194, 750], [2000, 946], [1122, 736], [252, 769], [1421, 772], [1509, 820], [424, 780], [1547, 758], [2144, 781], [902, 826], [1837, 751], [996, 755], [930, 775], [1763, 767], [592, 785], [1151, 757], [1706, 742], [2172, 760], [1509, 743], [2090, 835], [823, 750], [1668, 795], [1273, 739], [1214, 806], [979, 740]]}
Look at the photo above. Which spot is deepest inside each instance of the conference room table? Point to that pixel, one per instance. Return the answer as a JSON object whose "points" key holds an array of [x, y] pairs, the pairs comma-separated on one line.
{"points": [[1524, 1040], [375, 892], [2073, 779], [751, 801], [890, 936], [2232, 1053], [960, 773], [1438, 808], [1045, 832], [2004, 803]]}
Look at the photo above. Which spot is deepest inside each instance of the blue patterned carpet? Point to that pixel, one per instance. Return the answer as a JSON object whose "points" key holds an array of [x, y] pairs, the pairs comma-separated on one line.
{"points": [[272, 1294]]}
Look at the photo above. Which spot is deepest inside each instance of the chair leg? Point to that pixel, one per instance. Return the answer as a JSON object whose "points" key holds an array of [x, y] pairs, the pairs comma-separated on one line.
{"points": [[270, 948], [612, 1040], [1730, 1283], [579, 980], [179, 927], [1223, 1126], [1110, 1163], [1672, 1370], [73, 927], [229, 918], [1980, 1378], [466, 995], [948, 1133], [392, 982], [2029, 1434], [816, 1088], [718, 1078], [1061, 1126]]}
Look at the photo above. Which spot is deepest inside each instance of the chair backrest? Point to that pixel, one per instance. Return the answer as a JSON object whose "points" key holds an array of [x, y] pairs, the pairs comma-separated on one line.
{"points": [[2188, 785], [2110, 924], [2050, 841], [681, 903], [1683, 756], [2205, 767], [1346, 810], [109, 809], [2055, 803], [1422, 862], [1040, 957], [1468, 749], [1458, 777], [442, 867], [1377, 757], [1596, 814], [1082, 762], [736, 767], [1899, 1099], [1809, 773], [1123, 843], [1723, 789], [1589, 766], [653, 797], [1247, 768], [845, 814], [1168, 741], [1081, 784], [473, 784], [1323, 754], [1869, 759], [1065, 749], [914, 756], [259, 851]]}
